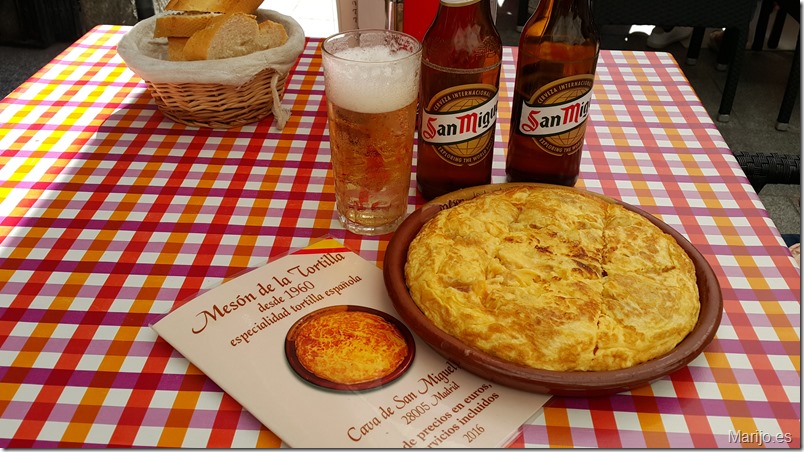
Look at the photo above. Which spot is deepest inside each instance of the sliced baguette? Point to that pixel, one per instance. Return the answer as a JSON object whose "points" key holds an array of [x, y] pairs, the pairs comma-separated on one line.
{"points": [[272, 34], [176, 48], [226, 36], [217, 6], [181, 25]]}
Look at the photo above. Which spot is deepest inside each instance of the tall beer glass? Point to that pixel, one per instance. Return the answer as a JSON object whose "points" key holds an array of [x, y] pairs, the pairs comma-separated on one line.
{"points": [[372, 85]]}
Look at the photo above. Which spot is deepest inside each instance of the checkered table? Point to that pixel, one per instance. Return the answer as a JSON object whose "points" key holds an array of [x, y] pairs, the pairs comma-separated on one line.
{"points": [[110, 213]]}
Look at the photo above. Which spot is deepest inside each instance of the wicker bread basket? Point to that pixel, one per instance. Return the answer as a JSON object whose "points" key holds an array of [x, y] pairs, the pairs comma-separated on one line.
{"points": [[222, 93]]}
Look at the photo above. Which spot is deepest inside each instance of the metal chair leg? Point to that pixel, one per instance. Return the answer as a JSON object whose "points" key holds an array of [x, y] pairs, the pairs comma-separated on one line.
{"points": [[776, 30], [734, 45], [791, 91], [727, 49], [522, 14], [762, 24], [696, 41]]}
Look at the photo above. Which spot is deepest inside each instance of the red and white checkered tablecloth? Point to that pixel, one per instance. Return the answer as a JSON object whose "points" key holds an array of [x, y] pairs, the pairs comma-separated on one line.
{"points": [[110, 213]]}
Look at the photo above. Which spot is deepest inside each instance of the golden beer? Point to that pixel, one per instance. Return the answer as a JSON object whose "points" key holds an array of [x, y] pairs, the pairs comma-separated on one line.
{"points": [[372, 84], [371, 160]]}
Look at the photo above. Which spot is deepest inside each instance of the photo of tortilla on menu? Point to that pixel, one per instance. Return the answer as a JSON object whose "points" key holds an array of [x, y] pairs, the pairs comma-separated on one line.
{"points": [[311, 345]]}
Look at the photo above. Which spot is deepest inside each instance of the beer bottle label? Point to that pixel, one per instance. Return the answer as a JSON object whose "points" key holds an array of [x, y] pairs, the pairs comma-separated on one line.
{"points": [[459, 123], [555, 116]]}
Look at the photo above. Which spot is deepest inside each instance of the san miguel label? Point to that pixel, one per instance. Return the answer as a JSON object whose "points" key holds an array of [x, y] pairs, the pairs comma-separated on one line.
{"points": [[460, 121], [555, 116]]}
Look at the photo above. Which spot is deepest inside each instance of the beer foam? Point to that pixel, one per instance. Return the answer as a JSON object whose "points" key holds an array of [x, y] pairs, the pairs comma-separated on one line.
{"points": [[372, 79]]}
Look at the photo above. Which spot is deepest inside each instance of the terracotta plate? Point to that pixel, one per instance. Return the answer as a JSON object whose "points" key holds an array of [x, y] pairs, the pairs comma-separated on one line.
{"points": [[296, 365], [583, 384]]}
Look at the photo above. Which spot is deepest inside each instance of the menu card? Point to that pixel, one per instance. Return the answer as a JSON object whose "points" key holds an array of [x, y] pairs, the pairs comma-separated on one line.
{"points": [[246, 335]]}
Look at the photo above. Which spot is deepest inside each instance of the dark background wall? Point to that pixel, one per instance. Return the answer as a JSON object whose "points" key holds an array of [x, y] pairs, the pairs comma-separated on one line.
{"points": [[39, 23]]}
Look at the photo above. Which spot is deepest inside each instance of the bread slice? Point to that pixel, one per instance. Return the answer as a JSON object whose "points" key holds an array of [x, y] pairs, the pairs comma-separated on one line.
{"points": [[217, 6], [181, 25], [226, 36], [272, 34], [176, 48]]}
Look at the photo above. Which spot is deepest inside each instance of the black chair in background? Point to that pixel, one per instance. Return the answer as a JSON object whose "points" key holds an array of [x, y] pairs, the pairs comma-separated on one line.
{"points": [[40, 23], [786, 8], [766, 168], [732, 15]]}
